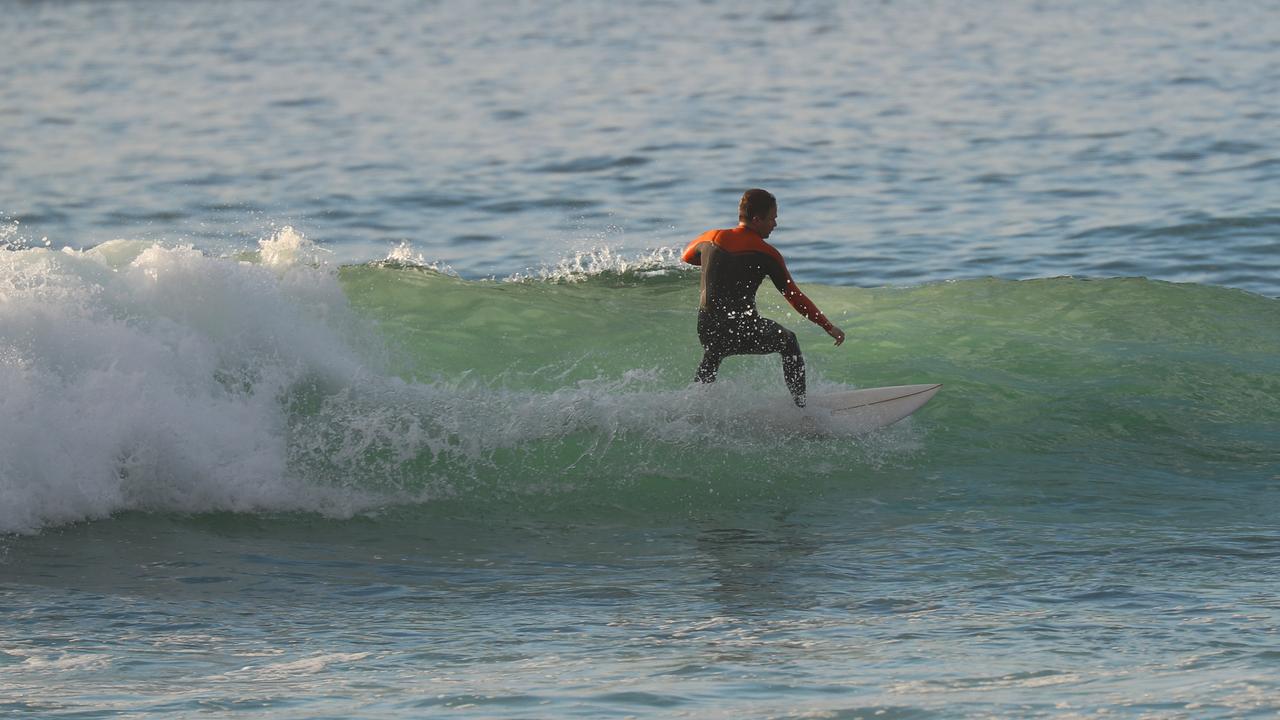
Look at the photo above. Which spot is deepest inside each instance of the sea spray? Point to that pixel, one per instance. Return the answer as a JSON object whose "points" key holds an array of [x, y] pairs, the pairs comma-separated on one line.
{"points": [[150, 377], [141, 376]]}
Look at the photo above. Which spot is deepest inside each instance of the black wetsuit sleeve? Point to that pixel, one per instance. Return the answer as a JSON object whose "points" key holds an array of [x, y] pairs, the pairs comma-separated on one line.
{"points": [[777, 273], [781, 278]]}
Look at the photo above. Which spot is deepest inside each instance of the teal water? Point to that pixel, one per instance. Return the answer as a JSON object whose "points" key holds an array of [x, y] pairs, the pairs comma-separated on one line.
{"points": [[345, 361]]}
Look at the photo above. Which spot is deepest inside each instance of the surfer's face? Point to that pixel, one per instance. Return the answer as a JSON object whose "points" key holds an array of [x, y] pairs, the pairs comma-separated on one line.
{"points": [[764, 224]]}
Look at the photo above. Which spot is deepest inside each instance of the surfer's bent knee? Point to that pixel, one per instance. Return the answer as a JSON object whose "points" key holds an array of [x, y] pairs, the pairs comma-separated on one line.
{"points": [[791, 345]]}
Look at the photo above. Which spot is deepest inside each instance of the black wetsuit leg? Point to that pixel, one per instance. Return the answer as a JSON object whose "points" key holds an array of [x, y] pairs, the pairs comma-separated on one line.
{"points": [[723, 335]]}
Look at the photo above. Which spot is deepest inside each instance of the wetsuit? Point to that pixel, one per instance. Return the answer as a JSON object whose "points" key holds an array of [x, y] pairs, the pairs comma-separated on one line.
{"points": [[734, 263]]}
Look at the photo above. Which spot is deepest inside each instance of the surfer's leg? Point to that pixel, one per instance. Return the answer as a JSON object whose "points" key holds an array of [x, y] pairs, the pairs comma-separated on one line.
{"points": [[793, 367], [711, 333], [769, 337], [793, 374], [709, 366]]}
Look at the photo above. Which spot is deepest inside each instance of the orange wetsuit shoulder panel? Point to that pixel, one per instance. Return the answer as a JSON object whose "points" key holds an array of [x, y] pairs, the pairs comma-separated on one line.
{"points": [[741, 241]]}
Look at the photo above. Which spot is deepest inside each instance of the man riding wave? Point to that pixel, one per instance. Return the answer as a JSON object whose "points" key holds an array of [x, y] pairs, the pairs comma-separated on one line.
{"points": [[734, 263]]}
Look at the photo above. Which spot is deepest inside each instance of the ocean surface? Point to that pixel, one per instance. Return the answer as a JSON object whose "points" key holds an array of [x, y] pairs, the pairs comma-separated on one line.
{"points": [[345, 360]]}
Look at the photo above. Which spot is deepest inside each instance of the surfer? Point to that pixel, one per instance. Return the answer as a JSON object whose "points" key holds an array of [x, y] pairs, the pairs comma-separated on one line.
{"points": [[734, 263]]}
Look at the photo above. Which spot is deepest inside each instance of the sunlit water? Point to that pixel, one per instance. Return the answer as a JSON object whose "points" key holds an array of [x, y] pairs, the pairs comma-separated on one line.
{"points": [[248, 467]]}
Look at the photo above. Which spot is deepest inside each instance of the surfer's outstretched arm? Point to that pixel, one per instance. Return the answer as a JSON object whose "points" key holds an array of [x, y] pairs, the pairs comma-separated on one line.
{"points": [[782, 281]]}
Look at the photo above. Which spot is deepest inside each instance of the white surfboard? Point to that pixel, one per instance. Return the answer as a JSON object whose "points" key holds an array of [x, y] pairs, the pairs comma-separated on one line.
{"points": [[853, 412]]}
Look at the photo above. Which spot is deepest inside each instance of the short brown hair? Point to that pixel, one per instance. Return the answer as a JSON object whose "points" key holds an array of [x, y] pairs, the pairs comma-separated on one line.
{"points": [[756, 203]]}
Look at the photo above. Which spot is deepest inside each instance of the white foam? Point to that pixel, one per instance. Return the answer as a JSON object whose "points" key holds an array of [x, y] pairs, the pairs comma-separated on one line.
{"points": [[293, 668], [137, 376], [583, 264], [406, 254], [150, 377]]}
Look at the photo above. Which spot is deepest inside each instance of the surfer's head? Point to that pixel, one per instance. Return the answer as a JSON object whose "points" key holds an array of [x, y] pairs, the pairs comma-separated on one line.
{"points": [[758, 211]]}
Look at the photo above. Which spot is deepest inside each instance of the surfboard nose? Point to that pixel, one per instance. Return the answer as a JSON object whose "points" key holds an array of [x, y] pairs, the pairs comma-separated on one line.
{"points": [[858, 411]]}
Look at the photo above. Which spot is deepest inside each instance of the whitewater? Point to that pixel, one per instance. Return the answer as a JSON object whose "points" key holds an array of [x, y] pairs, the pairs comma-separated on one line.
{"points": [[346, 360]]}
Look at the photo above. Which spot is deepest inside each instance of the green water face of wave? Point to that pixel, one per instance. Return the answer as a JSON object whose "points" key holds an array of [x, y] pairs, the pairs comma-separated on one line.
{"points": [[182, 382], [555, 386]]}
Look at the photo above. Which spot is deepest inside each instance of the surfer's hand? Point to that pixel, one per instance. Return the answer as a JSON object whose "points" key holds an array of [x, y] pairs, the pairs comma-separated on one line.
{"points": [[836, 333]]}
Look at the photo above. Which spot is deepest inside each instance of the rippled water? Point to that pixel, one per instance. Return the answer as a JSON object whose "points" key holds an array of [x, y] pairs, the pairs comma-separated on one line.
{"points": [[908, 141], [247, 467]]}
